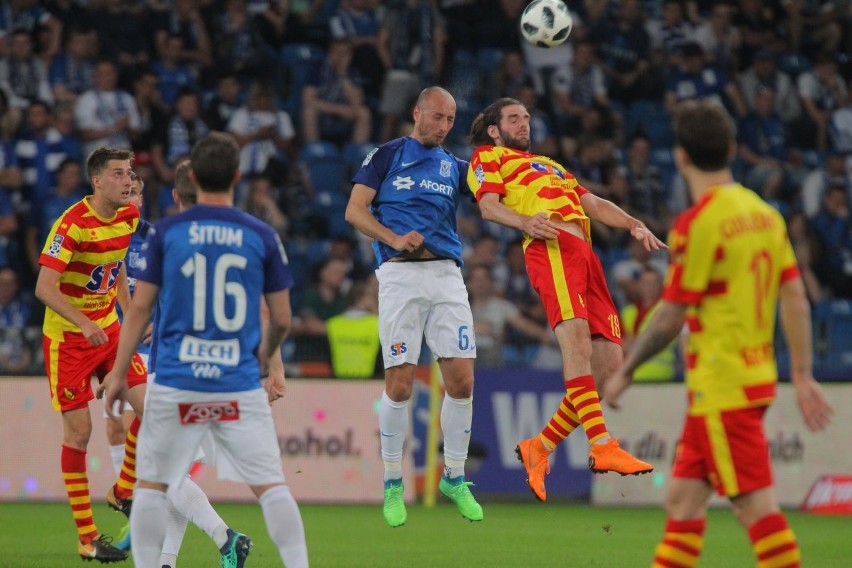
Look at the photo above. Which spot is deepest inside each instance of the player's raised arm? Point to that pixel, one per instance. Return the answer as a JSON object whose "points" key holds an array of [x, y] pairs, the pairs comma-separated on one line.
{"points": [[612, 215]]}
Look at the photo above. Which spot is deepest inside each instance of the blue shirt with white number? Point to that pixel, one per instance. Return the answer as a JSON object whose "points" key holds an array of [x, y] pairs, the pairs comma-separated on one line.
{"points": [[417, 189], [212, 265]]}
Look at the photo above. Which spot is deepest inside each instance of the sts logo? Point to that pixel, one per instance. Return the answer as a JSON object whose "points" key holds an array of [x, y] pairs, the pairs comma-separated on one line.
{"points": [[398, 349], [103, 277]]}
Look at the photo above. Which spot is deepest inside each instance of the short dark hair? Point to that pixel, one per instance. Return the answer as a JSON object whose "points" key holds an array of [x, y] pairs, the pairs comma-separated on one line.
{"points": [[100, 157], [215, 160], [491, 115], [706, 132], [183, 184]]}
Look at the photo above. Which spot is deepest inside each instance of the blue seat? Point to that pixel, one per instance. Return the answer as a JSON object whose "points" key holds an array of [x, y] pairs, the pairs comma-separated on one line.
{"points": [[354, 155], [326, 168], [301, 60]]}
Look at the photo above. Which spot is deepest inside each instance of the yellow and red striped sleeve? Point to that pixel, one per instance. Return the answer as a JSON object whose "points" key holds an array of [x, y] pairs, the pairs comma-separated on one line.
{"points": [[688, 277], [483, 175]]}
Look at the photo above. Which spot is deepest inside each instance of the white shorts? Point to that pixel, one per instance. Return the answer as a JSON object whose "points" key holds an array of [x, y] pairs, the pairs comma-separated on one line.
{"points": [[423, 299], [175, 424]]}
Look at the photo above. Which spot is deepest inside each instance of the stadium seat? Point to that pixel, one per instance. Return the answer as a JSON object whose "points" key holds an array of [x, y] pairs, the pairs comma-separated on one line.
{"points": [[354, 156], [301, 60]]}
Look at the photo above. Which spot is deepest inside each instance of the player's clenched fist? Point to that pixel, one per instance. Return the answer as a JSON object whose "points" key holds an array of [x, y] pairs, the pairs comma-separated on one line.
{"points": [[408, 242]]}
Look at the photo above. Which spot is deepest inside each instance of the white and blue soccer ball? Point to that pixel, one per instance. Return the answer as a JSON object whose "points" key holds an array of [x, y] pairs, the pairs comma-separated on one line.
{"points": [[546, 23]]}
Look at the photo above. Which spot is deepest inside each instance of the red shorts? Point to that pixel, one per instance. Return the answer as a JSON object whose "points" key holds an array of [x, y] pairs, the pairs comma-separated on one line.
{"points": [[726, 448], [70, 364], [568, 276]]}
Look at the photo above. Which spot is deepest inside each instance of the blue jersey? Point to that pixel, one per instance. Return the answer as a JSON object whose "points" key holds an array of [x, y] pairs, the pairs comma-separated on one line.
{"points": [[417, 189], [212, 265], [134, 263]]}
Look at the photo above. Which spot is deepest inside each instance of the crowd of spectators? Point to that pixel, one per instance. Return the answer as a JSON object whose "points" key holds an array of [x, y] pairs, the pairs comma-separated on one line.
{"points": [[308, 87]]}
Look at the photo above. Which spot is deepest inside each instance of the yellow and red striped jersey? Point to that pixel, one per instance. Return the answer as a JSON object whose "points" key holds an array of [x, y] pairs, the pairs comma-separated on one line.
{"points": [[528, 184], [88, 251], [729, 255]]}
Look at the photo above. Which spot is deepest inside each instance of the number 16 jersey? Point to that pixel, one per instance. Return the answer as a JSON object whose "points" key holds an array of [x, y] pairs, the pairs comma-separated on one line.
{"points": [[729, 255], [212, 265]]}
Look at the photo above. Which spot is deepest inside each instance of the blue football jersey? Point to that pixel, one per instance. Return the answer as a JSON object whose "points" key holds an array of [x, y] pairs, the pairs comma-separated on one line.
{"points": [[133, 262], [212, 265], [417, 189]]}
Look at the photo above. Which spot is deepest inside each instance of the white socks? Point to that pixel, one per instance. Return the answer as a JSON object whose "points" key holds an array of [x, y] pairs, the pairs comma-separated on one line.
{"points": [[175, 530], [456, 419], [117, 455], [284, 523], [148, 527], [192, 503], [393, 427]]}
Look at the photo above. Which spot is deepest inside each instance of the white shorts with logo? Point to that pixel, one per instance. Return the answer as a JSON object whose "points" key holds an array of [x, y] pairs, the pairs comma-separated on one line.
{"points": [[423, 299], [178, 421]]}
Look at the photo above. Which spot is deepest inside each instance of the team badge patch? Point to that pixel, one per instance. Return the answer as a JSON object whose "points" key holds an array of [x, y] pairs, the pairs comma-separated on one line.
{"points": [[446, 168], [479, 172], [55, 246]]}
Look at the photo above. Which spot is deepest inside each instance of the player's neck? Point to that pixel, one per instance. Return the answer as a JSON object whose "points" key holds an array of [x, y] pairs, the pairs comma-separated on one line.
{"points": [[216, 199], [701, 182], [104, 208]]}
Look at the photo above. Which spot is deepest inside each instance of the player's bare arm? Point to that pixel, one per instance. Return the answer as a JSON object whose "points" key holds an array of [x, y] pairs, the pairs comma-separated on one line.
{"points": [[795, 321], [275, 384], [536, 226], [135, 321], [612, 215], [358, 214], [664, 327], [123, 289], [277, 328], [47, 291]]}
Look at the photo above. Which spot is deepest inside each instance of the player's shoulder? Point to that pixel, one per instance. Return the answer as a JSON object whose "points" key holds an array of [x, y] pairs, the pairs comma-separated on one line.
{"points": [[76, 213]]}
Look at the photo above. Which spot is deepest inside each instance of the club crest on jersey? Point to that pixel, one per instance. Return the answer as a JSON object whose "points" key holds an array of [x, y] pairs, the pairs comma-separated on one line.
{"points": [[446, 168], [398, 349], [103, 277], [403, 183], [55, 246]]}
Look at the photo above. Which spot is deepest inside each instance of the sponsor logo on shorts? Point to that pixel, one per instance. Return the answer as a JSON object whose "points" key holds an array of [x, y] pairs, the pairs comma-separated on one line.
{"points": [[55, 246], [202, 412], [830, 494], [69, 394], [398, 349]]}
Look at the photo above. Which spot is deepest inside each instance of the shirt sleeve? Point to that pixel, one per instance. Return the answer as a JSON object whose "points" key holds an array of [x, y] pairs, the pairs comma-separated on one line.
{"points": [[464, 187], [151, 267], [692, 260], [61, 244], [376, 166], [277, 275], [483, 175]]}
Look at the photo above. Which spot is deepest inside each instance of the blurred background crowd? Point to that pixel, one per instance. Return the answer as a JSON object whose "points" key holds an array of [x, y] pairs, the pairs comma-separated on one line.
{"points": [[309, 87]]}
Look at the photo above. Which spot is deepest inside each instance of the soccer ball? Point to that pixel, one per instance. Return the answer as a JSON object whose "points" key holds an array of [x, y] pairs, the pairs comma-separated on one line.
{"points": [[546, 23]]}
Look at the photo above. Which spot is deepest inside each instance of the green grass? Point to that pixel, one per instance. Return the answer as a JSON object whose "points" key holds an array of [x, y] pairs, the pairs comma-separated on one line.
{"points": [[517, 535]]}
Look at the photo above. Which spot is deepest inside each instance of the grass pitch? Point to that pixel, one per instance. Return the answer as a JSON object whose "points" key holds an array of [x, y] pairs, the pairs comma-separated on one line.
{"points": [[517, 535]]}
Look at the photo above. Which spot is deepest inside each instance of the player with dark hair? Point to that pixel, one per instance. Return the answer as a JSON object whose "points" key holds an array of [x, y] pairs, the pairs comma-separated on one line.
{"points": [[405, 197], [82, 275], [538, 196], [207, 269], [731, 262]]}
